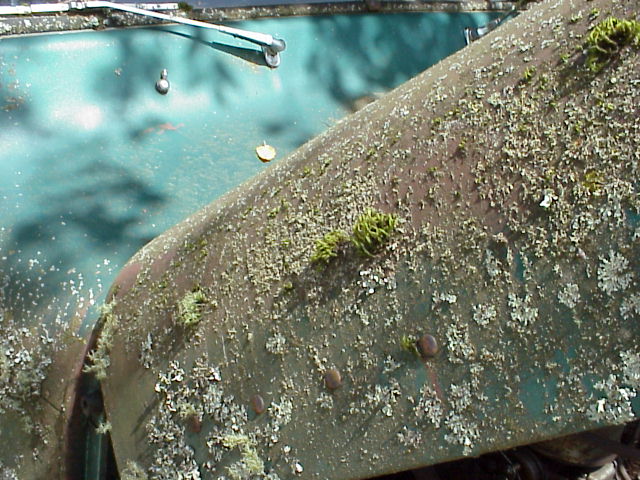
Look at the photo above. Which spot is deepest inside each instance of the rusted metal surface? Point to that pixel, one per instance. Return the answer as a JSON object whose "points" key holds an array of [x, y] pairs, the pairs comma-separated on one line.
{"points": [[512, 172], [38, 380]]}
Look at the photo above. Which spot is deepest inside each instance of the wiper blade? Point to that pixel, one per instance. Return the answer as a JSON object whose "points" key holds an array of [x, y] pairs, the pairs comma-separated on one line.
{"points": [[271, 46]]}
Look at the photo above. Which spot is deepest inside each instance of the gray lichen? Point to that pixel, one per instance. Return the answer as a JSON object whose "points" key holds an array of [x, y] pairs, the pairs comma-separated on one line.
{"points": [[98, 358], [429, 406], [523, 314], [483, 314], [612, 274], [24, 362], [569, 295], [133, 471], [630, 306]]}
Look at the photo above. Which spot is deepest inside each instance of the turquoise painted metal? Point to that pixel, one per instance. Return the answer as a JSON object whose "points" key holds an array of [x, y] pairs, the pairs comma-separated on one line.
{"points": [[95, 163]]}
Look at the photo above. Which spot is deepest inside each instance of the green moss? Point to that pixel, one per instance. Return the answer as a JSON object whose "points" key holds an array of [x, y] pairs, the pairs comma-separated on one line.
{"points": [[528, 74], [408, 343], [543, 82], [327, 246], [607, 38], [273, 212], [371, 153], [593, 181], [190, 308], [373, 229]]}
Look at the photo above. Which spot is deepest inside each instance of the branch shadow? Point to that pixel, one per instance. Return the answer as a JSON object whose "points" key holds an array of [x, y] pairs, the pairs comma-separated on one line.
{"points": [[248, 54], [384, 49], [80, 214]]}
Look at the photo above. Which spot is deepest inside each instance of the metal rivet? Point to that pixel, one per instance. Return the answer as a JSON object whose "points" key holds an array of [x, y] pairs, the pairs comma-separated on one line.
{"points": [[195, 424], [257, 403], [332, 379], [162, 85], [427, 346]]}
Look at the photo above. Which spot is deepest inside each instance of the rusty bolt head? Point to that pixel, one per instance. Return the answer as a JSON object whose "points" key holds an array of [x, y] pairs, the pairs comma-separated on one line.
{"points": [[195, 424], [332, 379], [257, 403], [427, 346]]}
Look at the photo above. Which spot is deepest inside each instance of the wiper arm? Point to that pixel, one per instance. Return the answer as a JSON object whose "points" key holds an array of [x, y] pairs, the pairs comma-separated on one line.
{"points": [[271, 46], [472, 34]]}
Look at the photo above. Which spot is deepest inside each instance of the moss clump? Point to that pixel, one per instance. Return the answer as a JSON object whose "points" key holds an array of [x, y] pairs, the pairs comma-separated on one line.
{"points": [[528, 74], [607, 38], [593, 181], [408, 343], [190, 308], [327, 246], [372, 229]]}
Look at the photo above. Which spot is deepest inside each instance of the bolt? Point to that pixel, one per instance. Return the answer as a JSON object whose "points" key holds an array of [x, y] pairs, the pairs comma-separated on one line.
{"points": [[332, 379], [427, 346], [162, 85], [257, 403], [195, 424]]}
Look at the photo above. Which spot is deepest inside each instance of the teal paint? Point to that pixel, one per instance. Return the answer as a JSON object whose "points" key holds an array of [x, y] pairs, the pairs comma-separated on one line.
{"points": [[533, 394], [94, 162]]}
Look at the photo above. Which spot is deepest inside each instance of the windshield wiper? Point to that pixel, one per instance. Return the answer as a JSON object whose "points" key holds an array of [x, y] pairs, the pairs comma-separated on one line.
{"points": [[271, 46]]}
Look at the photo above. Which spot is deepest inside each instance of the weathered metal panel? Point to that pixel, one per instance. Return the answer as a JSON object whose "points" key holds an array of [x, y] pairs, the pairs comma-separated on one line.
{"points": [[94, 163], [513, 174]]}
